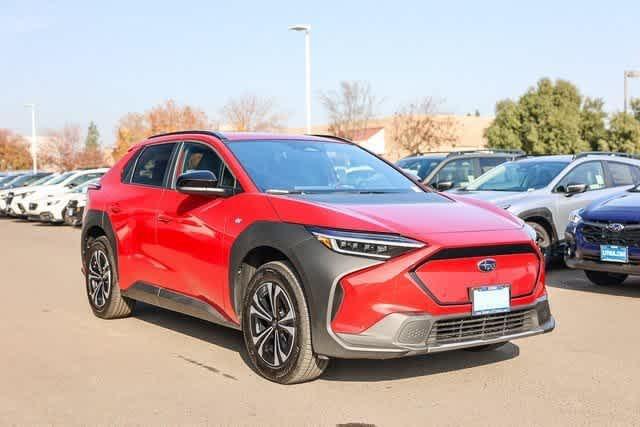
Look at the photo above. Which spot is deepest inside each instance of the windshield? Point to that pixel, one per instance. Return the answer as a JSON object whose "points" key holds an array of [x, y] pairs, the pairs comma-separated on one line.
{"points": [[7, 179], [25, 180], [419, 167], [42, 180], [61, 178], [518, 176], [285, 166]]}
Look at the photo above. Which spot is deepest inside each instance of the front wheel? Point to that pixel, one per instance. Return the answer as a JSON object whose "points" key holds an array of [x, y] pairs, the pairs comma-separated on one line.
{"points": [[543, 240], [605, 279], [276, 326]]}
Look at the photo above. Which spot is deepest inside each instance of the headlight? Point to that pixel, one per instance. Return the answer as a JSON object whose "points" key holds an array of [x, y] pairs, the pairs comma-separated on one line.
{"points": [[531, 232], [575, 217], [382, 246]]}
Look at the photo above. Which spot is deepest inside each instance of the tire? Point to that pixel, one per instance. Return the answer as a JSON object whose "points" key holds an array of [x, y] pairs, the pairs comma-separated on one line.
{"points": [[487, 347], [544, 241], [101, 282], [605, 279], [285, 354]]}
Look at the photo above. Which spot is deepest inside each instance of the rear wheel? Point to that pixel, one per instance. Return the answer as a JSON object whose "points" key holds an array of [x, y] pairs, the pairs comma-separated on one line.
{"points": [[101, 277], [605, 279], [276, 326]]}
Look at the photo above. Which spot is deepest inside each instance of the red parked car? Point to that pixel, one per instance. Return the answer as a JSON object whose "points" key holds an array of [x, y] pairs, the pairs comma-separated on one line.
{"points": [[311, 246]]}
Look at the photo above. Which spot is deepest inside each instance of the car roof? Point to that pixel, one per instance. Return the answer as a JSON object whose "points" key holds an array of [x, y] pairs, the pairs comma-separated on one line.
{"points": [[252, 136], [557, 158]]}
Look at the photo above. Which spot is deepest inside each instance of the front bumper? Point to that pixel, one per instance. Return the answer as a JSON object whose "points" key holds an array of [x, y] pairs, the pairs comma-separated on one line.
{"points": [[400, 334], [581, 255]]}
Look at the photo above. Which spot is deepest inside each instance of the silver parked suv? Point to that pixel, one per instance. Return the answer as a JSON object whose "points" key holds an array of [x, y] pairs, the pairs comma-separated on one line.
{"points": [[543, 191]]}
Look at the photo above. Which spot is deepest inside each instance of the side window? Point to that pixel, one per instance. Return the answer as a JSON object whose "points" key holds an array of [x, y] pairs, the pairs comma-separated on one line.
{"points": [[197, 157], [152, 165], [459, 172], [591, 174], [488, 163], [128, 168], [623, 174]]}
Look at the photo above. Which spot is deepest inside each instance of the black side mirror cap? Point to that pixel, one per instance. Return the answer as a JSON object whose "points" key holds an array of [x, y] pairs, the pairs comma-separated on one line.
{"points": [[201, 183], [572, 189], [444, 185]]}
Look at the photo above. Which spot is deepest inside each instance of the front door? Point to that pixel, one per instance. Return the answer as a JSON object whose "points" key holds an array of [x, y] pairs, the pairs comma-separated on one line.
{"points": [[191, 230]]}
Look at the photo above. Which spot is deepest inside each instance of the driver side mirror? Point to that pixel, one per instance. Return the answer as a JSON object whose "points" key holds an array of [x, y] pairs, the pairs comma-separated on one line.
{"points": [[575, 189], [201, 183], [444, 185]]}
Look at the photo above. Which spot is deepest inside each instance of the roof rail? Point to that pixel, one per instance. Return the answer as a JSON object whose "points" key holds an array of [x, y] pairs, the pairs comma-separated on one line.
{"points": [[604, 153], [218, 135], [518, 153], [337, 138]]}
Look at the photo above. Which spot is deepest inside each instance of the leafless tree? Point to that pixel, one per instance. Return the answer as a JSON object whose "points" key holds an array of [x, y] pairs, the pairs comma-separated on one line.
{"points": [[416, 127], [252, 113], [350, 108], [63, 148]]}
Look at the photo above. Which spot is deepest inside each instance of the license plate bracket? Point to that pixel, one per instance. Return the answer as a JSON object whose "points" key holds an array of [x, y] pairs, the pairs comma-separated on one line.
{"points": [[490, 299]]}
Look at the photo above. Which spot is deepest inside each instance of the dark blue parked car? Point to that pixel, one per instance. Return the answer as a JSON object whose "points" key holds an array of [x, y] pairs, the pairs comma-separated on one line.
{"points": [[604, 238]]}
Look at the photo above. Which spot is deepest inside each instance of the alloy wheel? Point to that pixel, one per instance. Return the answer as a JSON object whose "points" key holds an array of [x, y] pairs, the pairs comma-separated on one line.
{"points": [[100, 278], [272, 324]]}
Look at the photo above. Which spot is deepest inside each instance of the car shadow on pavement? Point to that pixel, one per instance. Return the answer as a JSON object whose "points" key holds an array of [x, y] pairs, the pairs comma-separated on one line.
{"points": [[193, 327], [416, 366], [575, 280], [339, 369]]}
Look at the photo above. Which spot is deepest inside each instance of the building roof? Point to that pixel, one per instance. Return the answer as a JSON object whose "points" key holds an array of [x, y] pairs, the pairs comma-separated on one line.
{"points": [[365, 134]]}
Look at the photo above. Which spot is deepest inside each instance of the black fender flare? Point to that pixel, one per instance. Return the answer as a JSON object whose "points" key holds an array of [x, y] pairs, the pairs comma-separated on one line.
{"points": [[542, 213], [99, 219]]}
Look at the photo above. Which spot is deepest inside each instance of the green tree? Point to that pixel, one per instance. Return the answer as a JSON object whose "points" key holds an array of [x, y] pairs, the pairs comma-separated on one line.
{"points": [[545, 120], [635, 108], [623, 134], [92, 141], [592, 123]]}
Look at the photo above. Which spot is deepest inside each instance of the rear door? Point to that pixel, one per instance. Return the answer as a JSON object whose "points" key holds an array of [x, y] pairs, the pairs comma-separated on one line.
{"points": [[133, 213]]}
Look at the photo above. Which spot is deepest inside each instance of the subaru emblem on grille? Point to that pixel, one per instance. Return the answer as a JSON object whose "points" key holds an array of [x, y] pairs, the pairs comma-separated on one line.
{"points": [[487, 265], [615, 227]]}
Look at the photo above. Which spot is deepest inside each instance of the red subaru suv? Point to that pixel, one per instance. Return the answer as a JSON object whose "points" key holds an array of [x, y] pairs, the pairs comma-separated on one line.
{"points": [[311, 246]]}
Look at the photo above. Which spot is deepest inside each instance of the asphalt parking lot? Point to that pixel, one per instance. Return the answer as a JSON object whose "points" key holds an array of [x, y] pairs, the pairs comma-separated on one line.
{"points": [[61, 365]]}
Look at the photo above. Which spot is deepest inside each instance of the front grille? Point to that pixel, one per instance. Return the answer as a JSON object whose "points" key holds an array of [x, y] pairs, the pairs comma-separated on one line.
{"points": [[33, 206], [480, 327], [597, 233], [72, 204]]}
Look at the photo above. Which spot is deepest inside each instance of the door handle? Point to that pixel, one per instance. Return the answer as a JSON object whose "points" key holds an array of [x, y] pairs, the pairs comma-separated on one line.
{"points": [[115, 208], [164, 218]]}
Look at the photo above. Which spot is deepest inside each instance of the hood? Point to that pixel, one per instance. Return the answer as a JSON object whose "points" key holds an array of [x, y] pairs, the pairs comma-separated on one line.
{"points": [[622, 207], [495, 197], [415, 215]]}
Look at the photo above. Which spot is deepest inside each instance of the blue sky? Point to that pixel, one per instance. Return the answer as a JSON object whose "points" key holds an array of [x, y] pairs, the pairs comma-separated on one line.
{"points": [[81, 61]]}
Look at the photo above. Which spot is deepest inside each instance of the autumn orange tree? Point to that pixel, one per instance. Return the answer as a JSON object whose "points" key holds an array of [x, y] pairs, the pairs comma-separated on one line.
{"points": [[14, 151], [166, 117]]}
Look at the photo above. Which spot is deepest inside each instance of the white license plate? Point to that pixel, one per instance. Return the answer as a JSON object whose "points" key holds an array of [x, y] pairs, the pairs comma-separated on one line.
{"points": [[70, 211], [613, 253], [491, 299]]}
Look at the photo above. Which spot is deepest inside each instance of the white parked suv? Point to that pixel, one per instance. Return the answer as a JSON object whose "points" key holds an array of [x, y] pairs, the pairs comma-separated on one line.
{"points": [[31, 204], [544, 191], [36, 181], [56, 210]]}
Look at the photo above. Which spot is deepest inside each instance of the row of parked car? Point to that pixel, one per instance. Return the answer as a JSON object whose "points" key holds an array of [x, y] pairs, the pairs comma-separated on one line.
{"points": [[585, 207], [56, 198]]}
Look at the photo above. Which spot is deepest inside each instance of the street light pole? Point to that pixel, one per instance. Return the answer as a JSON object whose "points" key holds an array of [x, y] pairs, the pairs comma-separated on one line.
{"points": [[34, 142], [307, 61], [628, 75]]}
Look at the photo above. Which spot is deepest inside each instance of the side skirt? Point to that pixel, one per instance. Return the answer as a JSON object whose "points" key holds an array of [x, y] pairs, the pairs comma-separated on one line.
{"points": [[178, 302]]}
